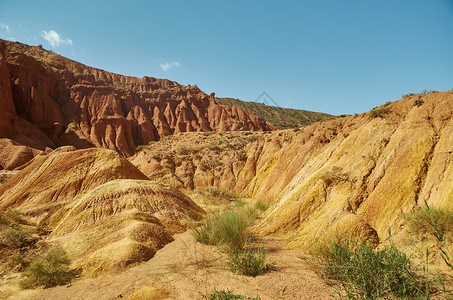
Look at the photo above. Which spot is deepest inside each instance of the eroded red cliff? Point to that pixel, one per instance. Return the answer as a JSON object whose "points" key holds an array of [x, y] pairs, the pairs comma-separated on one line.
{"points": [[47, 100]]}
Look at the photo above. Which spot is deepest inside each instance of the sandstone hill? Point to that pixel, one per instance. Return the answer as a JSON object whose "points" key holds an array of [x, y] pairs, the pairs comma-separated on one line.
{"points": [[362, 174], [282, 118], [47, 100], [99, 207]]}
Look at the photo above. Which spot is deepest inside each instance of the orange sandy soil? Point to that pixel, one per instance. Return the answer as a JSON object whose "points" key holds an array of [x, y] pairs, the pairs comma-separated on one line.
{"points": [[185, 269]]}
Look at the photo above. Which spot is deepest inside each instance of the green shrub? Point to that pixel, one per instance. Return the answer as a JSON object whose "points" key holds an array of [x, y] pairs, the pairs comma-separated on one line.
{"points": [[242, 156], [228, 228], [368, 274], [203, 166], [407, 95], [249, 262], [419, 102], [379, 112], [10, 217], [227, 295], [429, 220], [213, 191], [220, 193], [215, 148], [334, 131], [49, 270], [59, 101], [205, 232], [16, 236], [18, 260], [426, 91], [260, 205], [239, 202]]}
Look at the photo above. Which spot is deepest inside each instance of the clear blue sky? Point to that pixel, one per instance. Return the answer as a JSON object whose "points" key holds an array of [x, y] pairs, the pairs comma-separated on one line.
{"points": [[339, 57]]}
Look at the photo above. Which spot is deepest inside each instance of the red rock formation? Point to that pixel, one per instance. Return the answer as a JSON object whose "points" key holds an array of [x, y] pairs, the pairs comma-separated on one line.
{"points": [[7, 112], [49, 100]]}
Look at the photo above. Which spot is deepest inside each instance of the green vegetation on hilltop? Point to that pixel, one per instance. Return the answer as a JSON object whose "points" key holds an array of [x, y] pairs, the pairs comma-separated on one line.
{"points": [[282, 118]]}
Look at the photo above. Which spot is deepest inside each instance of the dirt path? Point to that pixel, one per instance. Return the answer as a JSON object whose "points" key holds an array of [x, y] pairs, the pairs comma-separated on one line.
{"points": [[185, 270]]}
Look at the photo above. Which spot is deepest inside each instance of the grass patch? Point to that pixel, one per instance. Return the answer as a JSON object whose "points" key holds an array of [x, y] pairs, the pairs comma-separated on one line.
{"points": [[368, 274], [249, 262], [239, 202], [49, 270], [228, 228], [227, 295]]}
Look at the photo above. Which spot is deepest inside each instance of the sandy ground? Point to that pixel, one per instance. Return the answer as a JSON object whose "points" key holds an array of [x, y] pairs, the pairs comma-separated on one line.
{"points": [[185, 269]]}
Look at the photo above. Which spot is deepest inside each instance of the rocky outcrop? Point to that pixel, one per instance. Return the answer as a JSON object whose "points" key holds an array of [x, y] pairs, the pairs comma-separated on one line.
{"points": [[48, 100]]}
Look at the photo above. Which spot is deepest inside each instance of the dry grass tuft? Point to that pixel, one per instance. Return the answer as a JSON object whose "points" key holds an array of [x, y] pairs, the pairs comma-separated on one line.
{"points": [[151, 293], [201, 256]]}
